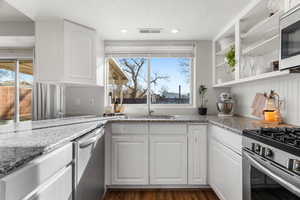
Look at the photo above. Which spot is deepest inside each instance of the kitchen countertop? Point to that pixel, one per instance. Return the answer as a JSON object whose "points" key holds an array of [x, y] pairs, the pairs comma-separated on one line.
{"points": [[21, 143]]}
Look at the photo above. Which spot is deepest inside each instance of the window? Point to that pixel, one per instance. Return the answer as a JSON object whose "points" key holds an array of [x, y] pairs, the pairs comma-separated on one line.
{"points": [[168, 80], [16, 79]]}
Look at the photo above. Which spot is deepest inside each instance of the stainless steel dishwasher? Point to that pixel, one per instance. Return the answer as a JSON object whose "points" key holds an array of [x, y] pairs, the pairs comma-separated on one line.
{"points": [[89, 165]]}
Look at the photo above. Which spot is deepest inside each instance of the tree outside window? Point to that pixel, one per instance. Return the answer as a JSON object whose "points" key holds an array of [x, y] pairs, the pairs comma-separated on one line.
{"points": [[169, 80]]}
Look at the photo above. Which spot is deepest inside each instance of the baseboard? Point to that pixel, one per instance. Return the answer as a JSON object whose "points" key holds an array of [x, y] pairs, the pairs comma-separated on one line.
{"points": [[112, 187]]}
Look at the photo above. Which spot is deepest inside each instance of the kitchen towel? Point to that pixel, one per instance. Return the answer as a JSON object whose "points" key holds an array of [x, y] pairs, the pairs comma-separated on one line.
{"points": [[258, 105]]}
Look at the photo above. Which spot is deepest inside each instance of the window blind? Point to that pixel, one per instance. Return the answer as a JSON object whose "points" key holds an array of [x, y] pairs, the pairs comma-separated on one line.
{"points": [[149, 48]]}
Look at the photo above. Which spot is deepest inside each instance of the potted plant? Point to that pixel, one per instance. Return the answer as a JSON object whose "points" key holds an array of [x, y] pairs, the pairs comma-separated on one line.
{"points": [[202, 93], [230, 58]]}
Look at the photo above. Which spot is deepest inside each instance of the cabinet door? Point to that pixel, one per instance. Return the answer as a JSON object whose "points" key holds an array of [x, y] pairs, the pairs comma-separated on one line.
{"points": [[129, 160], [225, 174], [80, 53], [197, 154], [59, 187], [168, 159]]}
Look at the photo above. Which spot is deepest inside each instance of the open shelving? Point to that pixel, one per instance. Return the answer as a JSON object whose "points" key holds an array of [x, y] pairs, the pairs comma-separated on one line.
{"points": [[256, 38], [225, 50], [254, 78], [268, 24], [262, 47]]}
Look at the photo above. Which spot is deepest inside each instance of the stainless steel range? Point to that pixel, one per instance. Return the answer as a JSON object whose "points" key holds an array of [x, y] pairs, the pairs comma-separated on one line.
{"points": [[271, 164]]}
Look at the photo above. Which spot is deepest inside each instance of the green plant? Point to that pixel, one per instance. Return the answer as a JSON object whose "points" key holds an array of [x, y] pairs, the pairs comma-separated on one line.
{"points": [[230, 58], [202, 94]]}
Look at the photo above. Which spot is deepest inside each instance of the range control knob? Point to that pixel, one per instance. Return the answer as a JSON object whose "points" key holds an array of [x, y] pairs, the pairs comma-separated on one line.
{"points": [[257, 148], [268, 153], [296, 167]]}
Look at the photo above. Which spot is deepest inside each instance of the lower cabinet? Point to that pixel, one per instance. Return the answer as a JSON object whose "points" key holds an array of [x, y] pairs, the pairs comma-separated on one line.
{"points": [[168, 159], [45, 178], [59, 187], [129, 160], [158, 153], [225, 171], [197, 154]]}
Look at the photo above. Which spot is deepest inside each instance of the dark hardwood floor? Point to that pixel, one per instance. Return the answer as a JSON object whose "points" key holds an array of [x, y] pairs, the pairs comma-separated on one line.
{"points": [[161, 194]]}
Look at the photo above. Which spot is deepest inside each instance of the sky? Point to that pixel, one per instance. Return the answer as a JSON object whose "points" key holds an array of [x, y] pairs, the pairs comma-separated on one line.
{"points": [[167, 67], [172, 68], [10, 76]]}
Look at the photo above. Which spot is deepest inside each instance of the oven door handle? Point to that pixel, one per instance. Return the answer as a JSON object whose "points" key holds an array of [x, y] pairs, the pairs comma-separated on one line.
{"points": [[271, 174]]}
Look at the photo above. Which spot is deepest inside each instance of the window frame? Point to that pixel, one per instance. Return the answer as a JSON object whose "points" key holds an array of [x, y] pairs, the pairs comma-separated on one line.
{"points": [[18, 59], [192, 103]]}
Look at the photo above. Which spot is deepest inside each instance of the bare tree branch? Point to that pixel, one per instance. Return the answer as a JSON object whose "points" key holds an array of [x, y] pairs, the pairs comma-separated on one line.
{"points": [[134, 66]]}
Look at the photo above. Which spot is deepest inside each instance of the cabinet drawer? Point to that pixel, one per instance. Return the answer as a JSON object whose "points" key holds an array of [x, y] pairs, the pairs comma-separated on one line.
{"points": [[168, 128], [227, 138], [57, 187], [130, 128], [20, 183], [197, 128]]}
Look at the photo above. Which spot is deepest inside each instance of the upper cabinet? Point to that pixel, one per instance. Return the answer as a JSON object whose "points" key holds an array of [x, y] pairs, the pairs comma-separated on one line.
{"points": [[248, 48], [65, 52], [289, 4]]}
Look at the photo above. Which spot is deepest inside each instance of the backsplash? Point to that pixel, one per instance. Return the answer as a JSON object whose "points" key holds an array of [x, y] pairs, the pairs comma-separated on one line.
{"points": [[84, 99], [288, 87]]}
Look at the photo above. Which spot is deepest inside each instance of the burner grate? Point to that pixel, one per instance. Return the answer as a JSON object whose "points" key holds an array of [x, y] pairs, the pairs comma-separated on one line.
{"points": [[285, 135]]}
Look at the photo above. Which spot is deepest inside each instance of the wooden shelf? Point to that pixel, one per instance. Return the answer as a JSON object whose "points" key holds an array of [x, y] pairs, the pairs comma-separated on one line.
{"points": [[253, 78], [263, 47], [267, 25], [224, 51]]}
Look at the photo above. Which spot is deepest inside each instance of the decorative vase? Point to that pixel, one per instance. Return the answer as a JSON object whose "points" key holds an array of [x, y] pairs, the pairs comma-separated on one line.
{"points": [[202, 111]]}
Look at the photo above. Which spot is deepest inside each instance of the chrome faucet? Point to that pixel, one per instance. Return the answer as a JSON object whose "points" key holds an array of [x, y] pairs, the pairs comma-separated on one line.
{"points": [[150, 112], [149, 104]]}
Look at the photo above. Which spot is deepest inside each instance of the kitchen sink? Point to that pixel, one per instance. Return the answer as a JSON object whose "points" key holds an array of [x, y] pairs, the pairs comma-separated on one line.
{"points": [[159, 116], [153, 116]]}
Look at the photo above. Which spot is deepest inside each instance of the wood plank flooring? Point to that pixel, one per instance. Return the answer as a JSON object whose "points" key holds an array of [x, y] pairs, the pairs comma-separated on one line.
{"points": [[161, 194]]}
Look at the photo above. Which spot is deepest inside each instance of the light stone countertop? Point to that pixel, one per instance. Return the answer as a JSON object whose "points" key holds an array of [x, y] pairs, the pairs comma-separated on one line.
{"points": [[21, 143]]}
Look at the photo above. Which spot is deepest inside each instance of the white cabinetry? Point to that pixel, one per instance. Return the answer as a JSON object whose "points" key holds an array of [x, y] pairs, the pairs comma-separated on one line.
{"points": [[39, 178], [129, 160], [58, 187], [289, 4], [225, 165], [65, 52], [168, 159], [197, 154], [156, 153]]}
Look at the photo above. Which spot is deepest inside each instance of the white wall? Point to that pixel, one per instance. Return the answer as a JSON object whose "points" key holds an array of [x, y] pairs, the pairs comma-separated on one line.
{"points": [[100, 62], [16, 28], [204, 75], [288, 87]]}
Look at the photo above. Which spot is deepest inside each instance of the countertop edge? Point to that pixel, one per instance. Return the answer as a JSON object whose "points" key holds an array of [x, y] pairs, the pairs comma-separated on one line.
{"points": [[213, 120]]}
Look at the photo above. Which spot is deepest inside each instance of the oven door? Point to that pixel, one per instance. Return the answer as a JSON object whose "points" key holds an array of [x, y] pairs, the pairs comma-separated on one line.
{"points": [[265, 180], [290, 40]]}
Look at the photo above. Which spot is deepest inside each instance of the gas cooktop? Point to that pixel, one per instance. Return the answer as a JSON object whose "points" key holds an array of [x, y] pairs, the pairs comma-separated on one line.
{"points": [[284, 138]]}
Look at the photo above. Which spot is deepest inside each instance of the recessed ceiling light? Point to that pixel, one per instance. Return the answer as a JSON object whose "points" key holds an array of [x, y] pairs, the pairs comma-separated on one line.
{"points": [[174, 30], [124, 31]]}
